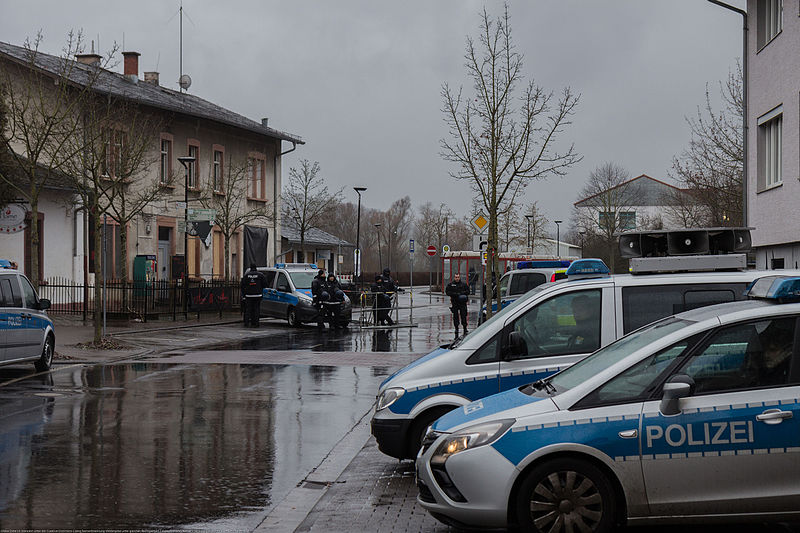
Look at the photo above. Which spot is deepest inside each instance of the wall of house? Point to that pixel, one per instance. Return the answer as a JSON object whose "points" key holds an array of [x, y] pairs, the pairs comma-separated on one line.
{"points": [[237, 146], [774, 80]]}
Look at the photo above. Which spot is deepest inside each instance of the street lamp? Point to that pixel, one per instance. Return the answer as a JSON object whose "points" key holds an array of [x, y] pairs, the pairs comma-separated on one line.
{"points": [[186, 160], [357, 266], [558, 238], [380, 259], [528, 240], [743, 13], [582, 234]]}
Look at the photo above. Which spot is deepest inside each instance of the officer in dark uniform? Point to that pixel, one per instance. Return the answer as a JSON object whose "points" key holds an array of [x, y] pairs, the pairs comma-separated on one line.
{"points": [[458, 291], [253, 285], [383, 301], [333, 297], [317, 286]]}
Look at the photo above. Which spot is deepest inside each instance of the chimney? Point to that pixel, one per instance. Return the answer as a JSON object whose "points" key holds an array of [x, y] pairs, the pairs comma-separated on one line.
{"points": [[151, 77], [131, 65], [89, 59], [264, 122]]}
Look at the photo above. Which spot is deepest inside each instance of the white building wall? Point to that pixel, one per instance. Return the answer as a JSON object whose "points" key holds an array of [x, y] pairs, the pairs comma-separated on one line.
{"points": [[774, 80]]}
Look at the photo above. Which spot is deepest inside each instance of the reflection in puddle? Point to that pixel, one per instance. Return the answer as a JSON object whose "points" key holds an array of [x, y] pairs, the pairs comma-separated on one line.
{"points": [[155, 445]]}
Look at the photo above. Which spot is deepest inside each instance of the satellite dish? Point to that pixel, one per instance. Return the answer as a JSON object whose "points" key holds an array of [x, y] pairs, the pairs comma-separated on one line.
{"points": [[185, 81]]}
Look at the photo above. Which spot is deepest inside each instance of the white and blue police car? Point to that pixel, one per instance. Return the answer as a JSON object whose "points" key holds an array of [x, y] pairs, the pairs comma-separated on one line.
{"points": [[26, 332], [288, 294], [526, 276], [548, 329], [695, 417]]}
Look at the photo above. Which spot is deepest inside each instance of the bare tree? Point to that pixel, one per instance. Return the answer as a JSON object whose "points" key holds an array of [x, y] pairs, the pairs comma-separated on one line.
{"points": [[711, 167], [603, 212], [501, 141], [229, 200], [42, 122], [6, 162], [535, 225], [396, 223], [306, 198]]}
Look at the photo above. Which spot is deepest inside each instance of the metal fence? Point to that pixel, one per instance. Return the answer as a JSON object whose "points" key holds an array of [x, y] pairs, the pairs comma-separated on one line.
{"points": [[141, 300]]}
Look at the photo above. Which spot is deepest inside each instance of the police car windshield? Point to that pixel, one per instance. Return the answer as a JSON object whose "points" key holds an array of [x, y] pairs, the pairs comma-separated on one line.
{"points": [[615, 352], [302, 279]]}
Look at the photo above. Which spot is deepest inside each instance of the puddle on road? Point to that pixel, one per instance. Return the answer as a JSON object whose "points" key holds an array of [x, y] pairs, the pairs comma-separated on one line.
{"points": [[156, 445]]}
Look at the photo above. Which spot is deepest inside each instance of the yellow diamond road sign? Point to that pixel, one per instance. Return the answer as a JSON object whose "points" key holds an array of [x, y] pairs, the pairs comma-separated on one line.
{"points": [[480, 222]]}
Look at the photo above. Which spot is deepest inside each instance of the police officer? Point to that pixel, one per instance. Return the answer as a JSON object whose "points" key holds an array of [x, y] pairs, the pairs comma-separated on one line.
{"points": [[317, 286], [333, 297], [253, 285], [458, 291], [383, 301]]}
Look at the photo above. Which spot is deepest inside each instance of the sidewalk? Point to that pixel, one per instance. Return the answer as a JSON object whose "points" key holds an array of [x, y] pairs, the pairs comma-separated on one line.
{"points": [[72, 334]]}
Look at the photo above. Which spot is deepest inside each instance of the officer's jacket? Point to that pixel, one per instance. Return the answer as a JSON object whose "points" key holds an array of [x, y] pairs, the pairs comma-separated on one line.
{"points": [[253, 283], [455, 289]]}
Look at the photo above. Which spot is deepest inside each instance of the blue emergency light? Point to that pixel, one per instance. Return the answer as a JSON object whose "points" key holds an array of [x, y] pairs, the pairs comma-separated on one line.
{"points": [[588, 268], [5, 263], [543, 264], [780, 288]]}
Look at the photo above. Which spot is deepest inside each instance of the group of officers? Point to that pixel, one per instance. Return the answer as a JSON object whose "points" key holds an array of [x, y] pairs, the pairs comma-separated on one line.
{"points": [[328, 297]]}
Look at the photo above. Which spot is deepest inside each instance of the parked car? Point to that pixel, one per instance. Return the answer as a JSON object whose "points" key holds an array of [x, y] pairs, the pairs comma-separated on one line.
{"points": [[548, 329], [288, 294], [692, 418], [26, 332]]}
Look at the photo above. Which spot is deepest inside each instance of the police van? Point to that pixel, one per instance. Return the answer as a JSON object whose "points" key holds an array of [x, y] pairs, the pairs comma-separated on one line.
{"points": [[288, 294], [526, 276], [26, 332], [548, 329], [695, 417]]}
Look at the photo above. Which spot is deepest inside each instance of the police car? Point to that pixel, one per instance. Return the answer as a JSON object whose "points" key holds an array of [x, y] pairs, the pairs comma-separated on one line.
{"points": [[695, 417], [526, 276], [26, 332], [288, 294], [548, 329]]}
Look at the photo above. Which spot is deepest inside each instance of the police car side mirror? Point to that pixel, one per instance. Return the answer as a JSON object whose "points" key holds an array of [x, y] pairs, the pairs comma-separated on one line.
{"points": [[670, 401], [44, 303], [517, 344]]}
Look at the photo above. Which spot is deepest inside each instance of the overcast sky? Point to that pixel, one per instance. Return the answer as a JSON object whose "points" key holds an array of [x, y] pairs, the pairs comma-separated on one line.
{"points": [[360, 80]]}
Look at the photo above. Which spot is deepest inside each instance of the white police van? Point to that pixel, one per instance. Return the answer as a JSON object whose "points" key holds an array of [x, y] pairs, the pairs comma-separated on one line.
{"points": [[26, 332], [695, 417], [288, 294], [548, 329], [526, 276]]}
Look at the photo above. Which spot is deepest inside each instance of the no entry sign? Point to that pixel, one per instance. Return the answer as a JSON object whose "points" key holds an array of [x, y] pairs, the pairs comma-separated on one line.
{"points": [[431, 251]]}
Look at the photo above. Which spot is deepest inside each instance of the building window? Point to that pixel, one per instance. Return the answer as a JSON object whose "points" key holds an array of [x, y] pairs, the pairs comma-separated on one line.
{"points": [[191, 168], [770, 20], [258, 185], [219, 165], [770, 139], [627, 219], [166, 159], [112, 151]]}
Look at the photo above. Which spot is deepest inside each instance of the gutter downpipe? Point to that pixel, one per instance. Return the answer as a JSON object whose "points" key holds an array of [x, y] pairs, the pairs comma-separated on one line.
{"points": [[275, 202], [744, 102]]}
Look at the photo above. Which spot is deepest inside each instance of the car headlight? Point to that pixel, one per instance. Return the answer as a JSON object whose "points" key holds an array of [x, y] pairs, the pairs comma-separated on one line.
{"points": [[305, 301], [469, 438], [388, 397]]}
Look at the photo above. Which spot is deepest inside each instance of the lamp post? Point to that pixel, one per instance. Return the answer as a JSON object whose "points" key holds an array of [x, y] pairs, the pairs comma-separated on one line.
{"points": [[528, 240], [186, 160], [380, 259], [558, 237], [582, 234], [743, 13], [357, 265]]}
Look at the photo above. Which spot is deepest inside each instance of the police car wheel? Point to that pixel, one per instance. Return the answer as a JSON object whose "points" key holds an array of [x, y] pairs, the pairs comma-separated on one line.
{"points": [[46, 359], [291, 318], [566, 495]]}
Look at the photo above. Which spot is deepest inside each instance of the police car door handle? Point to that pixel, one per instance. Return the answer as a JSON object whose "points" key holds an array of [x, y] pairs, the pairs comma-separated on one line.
{"points": [[629, 434], [773, 416]]}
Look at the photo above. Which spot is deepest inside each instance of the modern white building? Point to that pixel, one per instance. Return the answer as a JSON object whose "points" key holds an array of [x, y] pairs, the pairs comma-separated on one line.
{"points": [[773, 123]]}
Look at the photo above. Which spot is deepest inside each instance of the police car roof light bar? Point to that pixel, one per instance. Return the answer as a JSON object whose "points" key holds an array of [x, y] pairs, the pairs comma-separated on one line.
{"points": [[5, 263], [783, 289], [688, 263], [588, 268], [543, 263]]}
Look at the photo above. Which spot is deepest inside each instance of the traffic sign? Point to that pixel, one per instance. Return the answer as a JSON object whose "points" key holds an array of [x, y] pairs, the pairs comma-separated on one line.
{"points": [[411, 246], [196, 215], [445, 248], [480, 222], [431, 250]]}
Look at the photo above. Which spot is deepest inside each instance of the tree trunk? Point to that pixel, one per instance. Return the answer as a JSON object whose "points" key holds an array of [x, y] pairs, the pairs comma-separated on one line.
{"points": [[123, 243], [34, 232], [227, 259], [98, 277]]}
